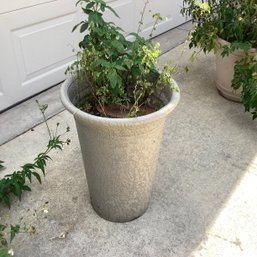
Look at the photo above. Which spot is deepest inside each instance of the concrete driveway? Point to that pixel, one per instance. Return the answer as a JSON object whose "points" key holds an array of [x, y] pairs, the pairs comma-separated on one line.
{"points": [[204, 200]]}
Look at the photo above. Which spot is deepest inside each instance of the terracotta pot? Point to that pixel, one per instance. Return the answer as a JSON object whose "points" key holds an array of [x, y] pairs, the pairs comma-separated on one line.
{"points": [[225, 71], [120, 155]]}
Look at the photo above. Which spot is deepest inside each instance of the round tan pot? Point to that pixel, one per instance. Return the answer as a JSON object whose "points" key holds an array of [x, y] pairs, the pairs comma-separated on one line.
{"points": [[225, 71], [119, 155]]}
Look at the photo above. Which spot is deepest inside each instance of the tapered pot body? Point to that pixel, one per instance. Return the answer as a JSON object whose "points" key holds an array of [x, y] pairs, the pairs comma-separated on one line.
{"points": [[225, 71], [119, 155]]}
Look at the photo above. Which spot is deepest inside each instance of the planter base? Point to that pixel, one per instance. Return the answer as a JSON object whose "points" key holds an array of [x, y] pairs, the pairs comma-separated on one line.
{"points": [[228, 94], [114, 215]]}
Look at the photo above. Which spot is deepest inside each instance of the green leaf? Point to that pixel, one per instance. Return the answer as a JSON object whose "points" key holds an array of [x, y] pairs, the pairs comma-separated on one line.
{"points": [[119, 67], [26, 188], [84, 27], [90, 5], [28, 175], [17, 190], [75, 27], [84, 42], [101, 62], [28, 166], [87, 11], [118, 45], [113, 11], [95, 17], [102, 7], [37, 176], [41, 164], [113, 78], [14, 231]]}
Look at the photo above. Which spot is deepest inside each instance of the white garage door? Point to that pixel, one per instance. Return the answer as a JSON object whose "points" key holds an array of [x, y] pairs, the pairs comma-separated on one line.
{"points": [[36, 43]]}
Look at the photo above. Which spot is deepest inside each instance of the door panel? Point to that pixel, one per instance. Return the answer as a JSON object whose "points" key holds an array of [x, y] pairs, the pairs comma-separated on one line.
{"points": [[13, 5], [28, 41], [127, 16], [35, 48]]}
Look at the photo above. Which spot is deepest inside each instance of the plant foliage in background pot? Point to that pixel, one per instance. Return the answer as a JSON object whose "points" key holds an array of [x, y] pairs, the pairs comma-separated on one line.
{"points": [[230, 28], [120, 102]]}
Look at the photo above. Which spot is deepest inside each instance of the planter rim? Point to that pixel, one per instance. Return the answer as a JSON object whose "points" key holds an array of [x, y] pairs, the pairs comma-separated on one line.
{"points": [[236, 52], [119, 121]]}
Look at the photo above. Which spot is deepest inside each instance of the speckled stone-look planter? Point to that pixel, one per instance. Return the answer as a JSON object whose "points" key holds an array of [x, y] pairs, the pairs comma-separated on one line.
{"points": [[225, 71], [119, 156]]}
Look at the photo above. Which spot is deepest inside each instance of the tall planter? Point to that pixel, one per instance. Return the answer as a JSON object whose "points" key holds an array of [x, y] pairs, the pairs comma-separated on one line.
{"points": [[119, 155], [225, 71]]}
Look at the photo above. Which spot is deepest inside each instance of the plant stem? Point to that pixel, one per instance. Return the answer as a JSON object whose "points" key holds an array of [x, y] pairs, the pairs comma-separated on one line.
{"points": [[45, 119], [142, 17]]}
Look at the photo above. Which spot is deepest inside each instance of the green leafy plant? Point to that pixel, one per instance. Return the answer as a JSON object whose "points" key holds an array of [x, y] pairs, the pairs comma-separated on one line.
{"points": [[9, 231], [118, 72], [236, 22], [16, 182]]}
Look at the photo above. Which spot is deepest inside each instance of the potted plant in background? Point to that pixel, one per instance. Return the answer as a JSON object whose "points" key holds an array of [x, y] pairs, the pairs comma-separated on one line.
{"points": [[229, 28], [120, 102]]}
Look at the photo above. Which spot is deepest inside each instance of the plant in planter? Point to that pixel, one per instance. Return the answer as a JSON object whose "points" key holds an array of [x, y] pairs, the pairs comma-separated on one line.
{"points": [[230, 28], [120, 101]]}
